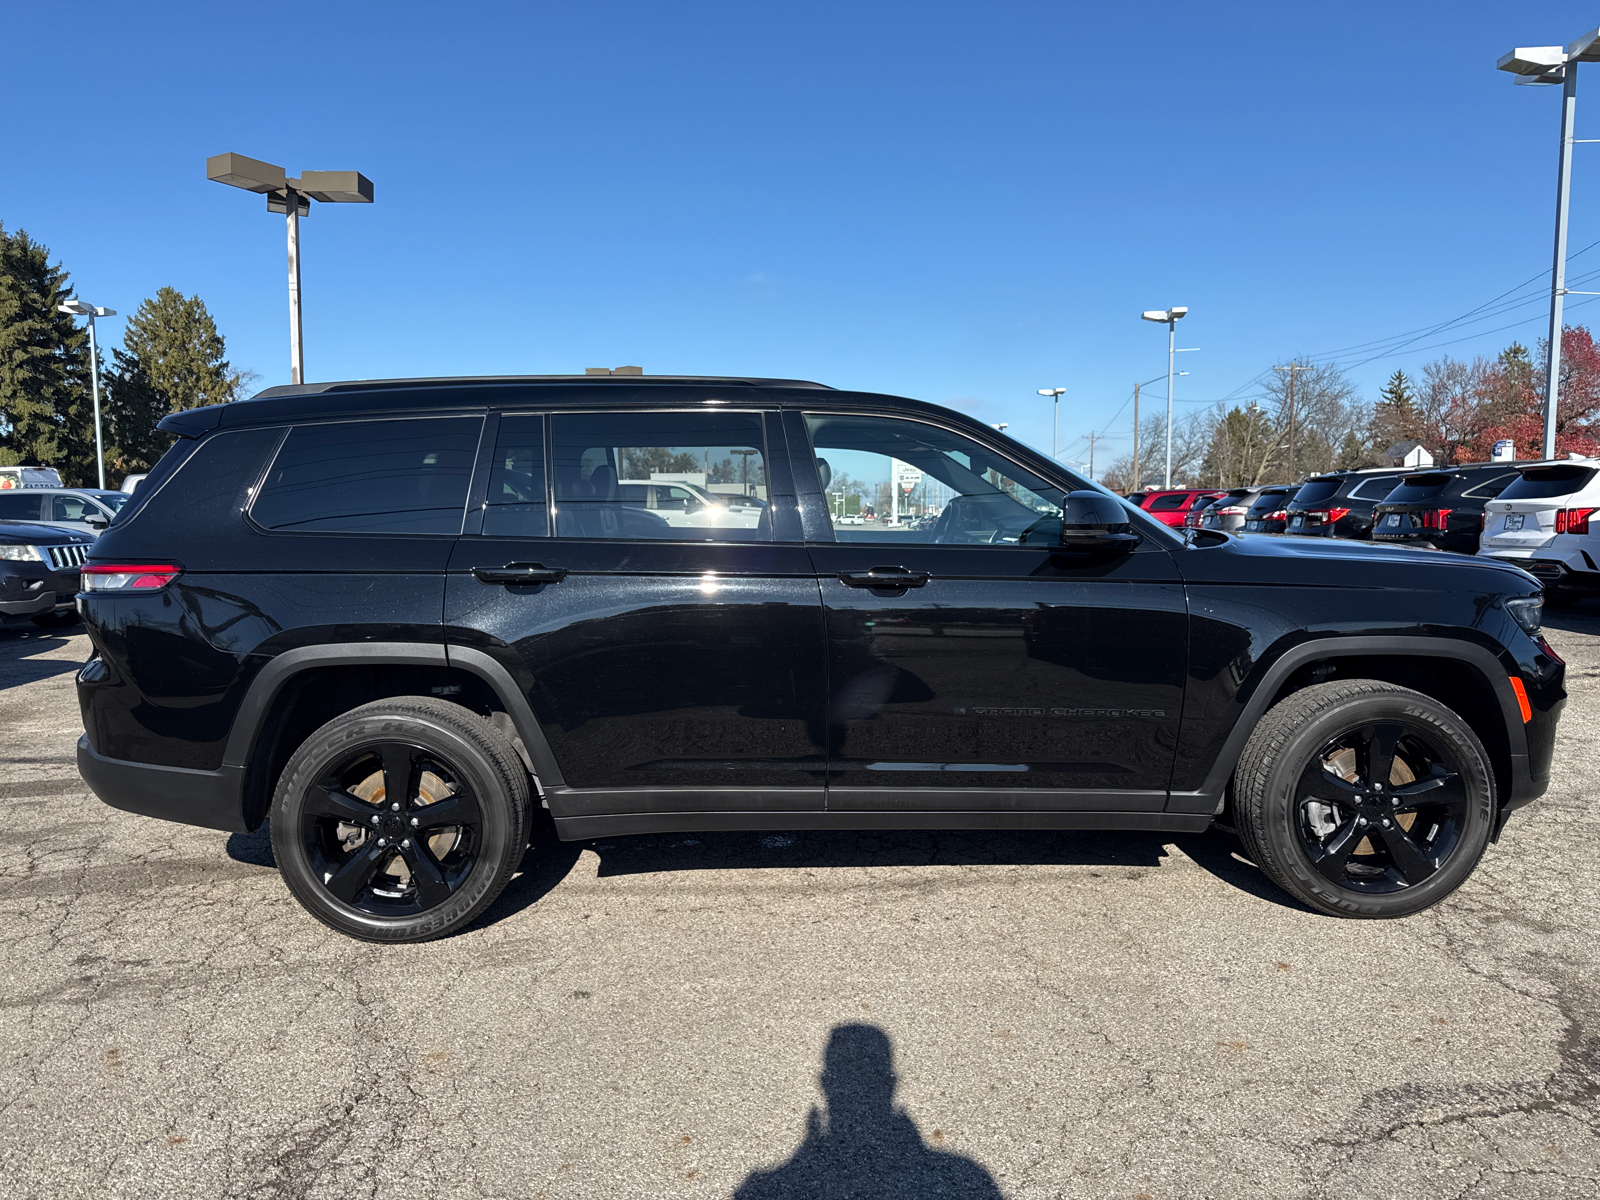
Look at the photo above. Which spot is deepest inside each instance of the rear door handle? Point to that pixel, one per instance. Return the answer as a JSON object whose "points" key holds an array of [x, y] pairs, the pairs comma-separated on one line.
{"points": [[524, 573], [884, 577]]}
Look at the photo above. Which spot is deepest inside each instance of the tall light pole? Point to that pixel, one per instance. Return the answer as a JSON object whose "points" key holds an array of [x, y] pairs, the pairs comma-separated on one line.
{"points": [[1171, 316], [1055, 415], [79, 309], [1556, 64], [292, 197]]}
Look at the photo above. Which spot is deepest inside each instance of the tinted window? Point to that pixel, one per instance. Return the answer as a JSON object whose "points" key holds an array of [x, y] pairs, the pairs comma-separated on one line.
{"points": [[1539, 483], [1419, 487], [1374, 488], [113, 500], [515, 503], [1270, 501], [676, 476], [1167, 503], [1317, 490], [400, 476], [1492, 487], [19, 506], [891, 480]]}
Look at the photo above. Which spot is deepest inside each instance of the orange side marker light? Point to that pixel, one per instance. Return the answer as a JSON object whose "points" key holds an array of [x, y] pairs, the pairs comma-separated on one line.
{"points": [[1522, 699]]}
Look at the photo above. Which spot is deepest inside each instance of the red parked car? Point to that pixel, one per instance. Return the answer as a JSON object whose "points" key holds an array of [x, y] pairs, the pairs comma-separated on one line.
{"points": [[1170, 505]]}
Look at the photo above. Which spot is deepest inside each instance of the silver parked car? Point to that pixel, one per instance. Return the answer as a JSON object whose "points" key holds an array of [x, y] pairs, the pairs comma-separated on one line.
{"points": [[82, 510]]}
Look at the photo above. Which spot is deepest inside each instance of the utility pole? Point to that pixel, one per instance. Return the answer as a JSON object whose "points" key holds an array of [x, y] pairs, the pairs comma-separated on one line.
{"points": [[1093, 438], [1291, 368], [1136, 437]]}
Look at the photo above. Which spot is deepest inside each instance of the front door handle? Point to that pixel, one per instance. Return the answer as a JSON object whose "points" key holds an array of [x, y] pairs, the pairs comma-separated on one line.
{"points": [[523, 573], [884, 577]]}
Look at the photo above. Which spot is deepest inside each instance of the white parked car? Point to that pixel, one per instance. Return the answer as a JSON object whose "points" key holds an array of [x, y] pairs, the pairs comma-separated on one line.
{"points": [[82, 510], [684, 506], [1547, 521], [131, 482]]}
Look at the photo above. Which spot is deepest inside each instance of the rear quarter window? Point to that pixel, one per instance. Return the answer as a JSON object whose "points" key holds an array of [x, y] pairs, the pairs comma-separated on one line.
{"points": [[392, 476], [1489, 488], [1375, 488], [1167, 503]]}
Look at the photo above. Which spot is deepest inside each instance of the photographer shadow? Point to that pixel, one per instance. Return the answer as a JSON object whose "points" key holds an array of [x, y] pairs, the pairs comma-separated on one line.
{"points": [[864, 1145]]}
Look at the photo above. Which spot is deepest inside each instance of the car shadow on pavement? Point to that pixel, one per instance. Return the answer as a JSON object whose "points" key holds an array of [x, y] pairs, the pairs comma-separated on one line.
{"points": [[1580, 616], [20, 648], [864, 1145], [1215, 851], [544, 865]]}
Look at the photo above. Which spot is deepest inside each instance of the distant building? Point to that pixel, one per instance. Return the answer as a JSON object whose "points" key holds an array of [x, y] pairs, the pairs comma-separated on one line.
{"points": [[1406, 454]]}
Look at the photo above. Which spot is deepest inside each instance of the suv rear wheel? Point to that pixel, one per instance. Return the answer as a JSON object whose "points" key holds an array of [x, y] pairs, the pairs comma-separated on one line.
{"points": [[1364, 799], [401, 820]]}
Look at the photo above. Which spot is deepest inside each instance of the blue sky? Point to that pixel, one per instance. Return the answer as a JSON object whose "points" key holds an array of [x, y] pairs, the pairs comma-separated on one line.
{"points": [[961, 203]]}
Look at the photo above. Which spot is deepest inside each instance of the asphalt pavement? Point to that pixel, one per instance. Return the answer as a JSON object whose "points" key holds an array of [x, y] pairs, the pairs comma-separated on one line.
{"points": [[833, 1015]]}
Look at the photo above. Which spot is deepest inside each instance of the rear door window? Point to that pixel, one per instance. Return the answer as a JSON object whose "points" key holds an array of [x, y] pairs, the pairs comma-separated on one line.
{"points": [[664, 476], [19, 506], [394, 476], [514, 505]]}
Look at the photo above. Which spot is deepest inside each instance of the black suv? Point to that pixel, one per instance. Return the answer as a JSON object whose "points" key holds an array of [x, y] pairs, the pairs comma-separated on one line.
{"points": [[1266, 512], [39, 571], [1339, 504], [1442, 508], [395, 617]]}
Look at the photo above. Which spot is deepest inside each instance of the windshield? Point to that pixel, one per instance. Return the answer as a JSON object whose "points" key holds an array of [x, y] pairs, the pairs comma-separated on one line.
{"points": [[113, 500], [1542, 483]]}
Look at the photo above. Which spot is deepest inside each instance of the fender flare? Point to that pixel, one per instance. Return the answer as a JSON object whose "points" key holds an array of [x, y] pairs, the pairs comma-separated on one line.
{"points": [[279, 670], [1265, 686]]}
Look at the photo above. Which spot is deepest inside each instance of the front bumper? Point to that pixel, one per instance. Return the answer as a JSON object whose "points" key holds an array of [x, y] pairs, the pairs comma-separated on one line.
{"points": [[213, 799], [28, 589]]}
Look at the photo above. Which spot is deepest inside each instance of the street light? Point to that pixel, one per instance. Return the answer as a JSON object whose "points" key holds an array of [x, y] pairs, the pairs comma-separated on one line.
{"points": [[1556, 64], [293, 198], [79, 309], [1055, 414], [1171, 316]]}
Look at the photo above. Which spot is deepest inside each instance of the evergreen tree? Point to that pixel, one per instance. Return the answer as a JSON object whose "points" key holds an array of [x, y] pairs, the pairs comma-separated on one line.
{"points": [[1352, 454], [1394, 417], [173, 358], [46, 413]]}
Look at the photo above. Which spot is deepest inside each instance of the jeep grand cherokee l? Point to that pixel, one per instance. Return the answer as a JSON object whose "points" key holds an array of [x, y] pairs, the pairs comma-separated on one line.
{"points": [[396, 616]]}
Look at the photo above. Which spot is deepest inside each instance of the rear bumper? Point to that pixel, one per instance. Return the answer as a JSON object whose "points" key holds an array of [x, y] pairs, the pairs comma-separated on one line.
{"points": [[213, 799]]}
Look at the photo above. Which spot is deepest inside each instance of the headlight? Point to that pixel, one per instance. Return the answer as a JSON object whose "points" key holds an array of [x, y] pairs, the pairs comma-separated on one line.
{"points": [[21, 554], [1527, 612]]}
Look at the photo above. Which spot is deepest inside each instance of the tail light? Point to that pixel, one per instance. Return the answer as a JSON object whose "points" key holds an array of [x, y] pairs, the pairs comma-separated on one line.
{"points": [[1573, 520], [1436, 518], [1280, 515], [129, 577], [1233, 510]]}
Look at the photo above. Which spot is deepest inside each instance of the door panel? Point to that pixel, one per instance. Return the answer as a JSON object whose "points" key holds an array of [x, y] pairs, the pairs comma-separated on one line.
{"points": [[1008, 672], [675, 675]]}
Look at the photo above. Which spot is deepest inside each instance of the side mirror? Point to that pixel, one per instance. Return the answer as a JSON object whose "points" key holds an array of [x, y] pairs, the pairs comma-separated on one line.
{"points": [[96, 521], [1095, 521]]}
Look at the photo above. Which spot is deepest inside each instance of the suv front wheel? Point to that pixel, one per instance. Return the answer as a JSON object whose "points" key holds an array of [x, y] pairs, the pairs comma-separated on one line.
{"points": [[1364, 799], [401, 820]]}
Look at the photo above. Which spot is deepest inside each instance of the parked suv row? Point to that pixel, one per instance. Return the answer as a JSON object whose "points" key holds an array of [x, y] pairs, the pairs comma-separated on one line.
{"points": [[397, 616]]}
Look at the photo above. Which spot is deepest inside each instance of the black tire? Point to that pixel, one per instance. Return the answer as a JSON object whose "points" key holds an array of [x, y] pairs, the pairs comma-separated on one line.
{"points": [[1316, 813], [57, 620], [401, 871]]}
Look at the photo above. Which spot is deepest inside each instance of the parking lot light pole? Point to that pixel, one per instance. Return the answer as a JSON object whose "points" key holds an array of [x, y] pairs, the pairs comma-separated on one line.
{"points": [[1549, 65], [1170, 316], [293, 198], [1055, 416], [79, 309]]}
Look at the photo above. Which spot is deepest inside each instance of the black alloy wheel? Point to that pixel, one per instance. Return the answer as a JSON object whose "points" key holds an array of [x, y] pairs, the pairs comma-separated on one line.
{"points": [[1381, 807], [1364, 799], [401, 820], [392, 829]]}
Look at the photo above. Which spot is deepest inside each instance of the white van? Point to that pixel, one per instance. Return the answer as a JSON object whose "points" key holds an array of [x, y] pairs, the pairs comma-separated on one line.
{"points": [[1547, 521], [12, 478]]}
